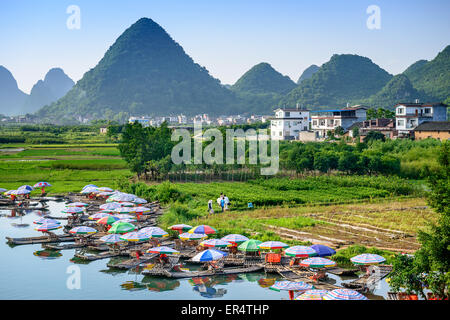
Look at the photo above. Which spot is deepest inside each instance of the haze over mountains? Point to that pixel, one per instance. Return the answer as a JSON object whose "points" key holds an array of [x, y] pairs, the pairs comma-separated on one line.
{"points": [[145, 72], [14, 102]]}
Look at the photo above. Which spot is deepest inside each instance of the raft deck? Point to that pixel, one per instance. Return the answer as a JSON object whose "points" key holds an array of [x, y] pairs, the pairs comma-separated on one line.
{"points": [[206, 273], [41, 239]]}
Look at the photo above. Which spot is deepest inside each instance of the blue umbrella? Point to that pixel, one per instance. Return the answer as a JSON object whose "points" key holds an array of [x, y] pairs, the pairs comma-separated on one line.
{"points": [[323, 251], [26, 187], [291, 286], [209, 255]]}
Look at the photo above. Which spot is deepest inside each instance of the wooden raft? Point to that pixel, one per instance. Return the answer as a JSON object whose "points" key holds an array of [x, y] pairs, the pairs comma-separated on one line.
{"points": [[206, 273], [132, 263], [41, 239], [364, 282]]}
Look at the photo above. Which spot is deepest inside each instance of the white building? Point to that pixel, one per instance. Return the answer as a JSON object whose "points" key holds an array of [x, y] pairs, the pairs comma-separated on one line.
{"points": [[323, 121], [409, 115], [144, 121], [288, 123]]}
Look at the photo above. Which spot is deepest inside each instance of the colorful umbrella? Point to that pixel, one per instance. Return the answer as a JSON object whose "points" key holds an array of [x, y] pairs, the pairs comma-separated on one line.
{"points": [[135, 236], [140, 201], [20, 192], [110, 206], [99, 215], [271, 245], [163, 250], [3, 190], [142, 210], [26, 187], [89, 190], [76, 204], [82, 230], [109, 220], [300, 252], [235, 238], [291, 286], [192, 236], [323, 251], [48, 227], [111, 238], [203, 229], [126, 204], [121, 197], [42, 184], [367, 259], [124, 216], [73, 210], [317, 262], [122, 227], [211, 243], [9, 192], [154, 232], [209, 255], [180, 227], [250, 245], [105, 189], [47, 254], [123, 210], [46, 220], [344, 294], [312, 295], [89, 186]]}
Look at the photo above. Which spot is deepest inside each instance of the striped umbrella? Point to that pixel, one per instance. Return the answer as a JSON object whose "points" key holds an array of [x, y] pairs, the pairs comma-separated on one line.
{"points": [[154, 232], [249, 245], [122, 210], [163, 250], [192, 236], [126, 204], [211, 243], [99, 215], [48, 227], [26, 187], [105, 194], [312, 295], [73, 210], [110, 206], [89, 186], [20, 192], [3, 190], [89, 190], [209, 255], [128, 220], [139, 201], [291, 286], [300, 252], [77, 204], [9, 192], [141, 210], [82, 230], [108, 220], [203, 229], [46, 220], [268, 245], [122, 197], [124, 216], [180, 227], [105, 189], [323, 251], [122, 227], [135, 236], [317, 262], [367, 259], [111, 238], [235, 238], [42, 184], [344, 294]]}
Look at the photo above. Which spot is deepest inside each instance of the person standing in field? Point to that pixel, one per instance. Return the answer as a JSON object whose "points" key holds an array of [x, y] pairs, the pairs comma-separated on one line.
{"points": [[227, 202], [210, 207], [222, 203]]}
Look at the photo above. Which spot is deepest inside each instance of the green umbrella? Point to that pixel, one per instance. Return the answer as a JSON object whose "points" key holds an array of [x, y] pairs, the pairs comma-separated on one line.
{"points": [[122, 227], [249, 245]]}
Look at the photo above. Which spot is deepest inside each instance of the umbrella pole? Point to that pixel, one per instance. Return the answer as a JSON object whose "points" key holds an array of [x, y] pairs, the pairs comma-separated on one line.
{"points": [[291, 295]]}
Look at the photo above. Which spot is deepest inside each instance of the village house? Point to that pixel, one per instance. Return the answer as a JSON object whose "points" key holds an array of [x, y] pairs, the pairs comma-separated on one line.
{"points": [[409, 115], [103, 130], [433, 129], [323, 121], [385, 126], [288, 123]]}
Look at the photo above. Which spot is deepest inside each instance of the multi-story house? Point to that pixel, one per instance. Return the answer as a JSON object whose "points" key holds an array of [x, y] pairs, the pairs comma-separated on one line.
{"points": [[409, 115], [287, 123], [323, 121]]}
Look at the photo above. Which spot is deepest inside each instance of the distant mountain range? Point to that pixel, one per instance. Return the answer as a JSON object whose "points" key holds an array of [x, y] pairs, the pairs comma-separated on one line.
{"points": [[14, 102], [145, 72]]}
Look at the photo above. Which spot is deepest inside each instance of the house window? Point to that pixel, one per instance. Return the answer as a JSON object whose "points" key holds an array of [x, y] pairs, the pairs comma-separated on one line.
{"points": [[400, 123], [281, 133], [287, 114], [401, 110], [315, 123], [427, 110]]}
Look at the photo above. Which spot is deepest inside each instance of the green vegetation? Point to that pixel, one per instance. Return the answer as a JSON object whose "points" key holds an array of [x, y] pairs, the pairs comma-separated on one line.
{"points": [[342, 257], [430, 265]]}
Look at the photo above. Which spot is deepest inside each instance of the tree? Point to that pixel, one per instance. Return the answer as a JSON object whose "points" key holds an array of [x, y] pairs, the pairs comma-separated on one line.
{"points": [[431, 263], [339, 131], [355, 132], [374, 135]]}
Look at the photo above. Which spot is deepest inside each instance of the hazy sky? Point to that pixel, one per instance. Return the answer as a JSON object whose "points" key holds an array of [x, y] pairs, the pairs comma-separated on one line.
{"points": [[226, 36]]}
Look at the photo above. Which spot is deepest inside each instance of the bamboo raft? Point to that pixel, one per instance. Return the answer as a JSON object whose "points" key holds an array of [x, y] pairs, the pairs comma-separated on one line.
{"points": [[342, 272], [102, 255], [41, 239], [365, 281], [132, 263], [206, 273], [63, 246]]}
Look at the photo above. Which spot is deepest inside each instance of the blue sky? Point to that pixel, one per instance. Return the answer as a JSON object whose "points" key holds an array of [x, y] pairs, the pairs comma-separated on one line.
{"points": [[227, 37]]}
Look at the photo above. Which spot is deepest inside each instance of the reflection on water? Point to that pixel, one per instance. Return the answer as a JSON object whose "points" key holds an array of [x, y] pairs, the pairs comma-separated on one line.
{"points": [[101, 282], [47, 254]]}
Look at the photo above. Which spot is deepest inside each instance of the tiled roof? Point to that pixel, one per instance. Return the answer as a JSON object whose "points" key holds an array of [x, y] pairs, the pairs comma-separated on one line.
{"points": [[433, 126]]}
